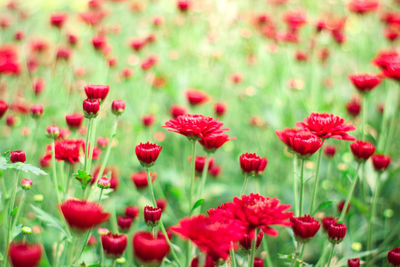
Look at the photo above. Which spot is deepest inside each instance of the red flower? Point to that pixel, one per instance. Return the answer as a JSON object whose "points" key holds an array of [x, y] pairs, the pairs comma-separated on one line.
{"points": [[245, 242], [63, 53], [99, 42], [301, 142], [212, 142], [337, 232], [340, 206], [177, 111], [58, 19], [392, 71], [132, 212], [74, 121], [24, 255], [68, 150], [140, 179], [9, 60], [200, 162], [162, 204], [394, 257], [329, 151], [17, 156], [118, 107], [327, 221], [209, 262], [353, 262], [353, 107], [99, 92], [3, 108], [385, 58], [124, 223], [365, 82], [147, 153], [108, 171], [255, 211], [196, 97], [91, 108], [148, 249], [114, 245], [363, 6], [36, 111], [148, 120], [215, 171], [327, 126], [381, 162], [194, 126], [295, 19], [252, 164], [52, 131], [83, 215], [184, 5], [219, 109], [258, 262], [362, 150], [210, 234], [305, 227], [152, 215]]}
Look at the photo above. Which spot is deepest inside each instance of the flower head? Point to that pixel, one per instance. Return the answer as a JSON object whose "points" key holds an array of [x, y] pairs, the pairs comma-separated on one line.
{"points": [[3, 108], [196, 97], [362, 150], [74, 121], [364, 82], [381, 162], [212, 142], [149, 250], [140, 179], [194, 126], [114, 245], [124, 223], [252, 164], [68, 150], [337, 232], [301, 142], [98, 92], [355, 262], [91, 107], [83, 215], [24, 255], [152, 215], [327, 126], [118, 107], [17, 156], [363, 6], [305, 227], [394, 257], [147, 153], [132, 212]]}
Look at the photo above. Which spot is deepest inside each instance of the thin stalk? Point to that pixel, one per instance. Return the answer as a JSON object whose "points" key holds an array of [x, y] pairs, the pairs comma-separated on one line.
{"points": [[246, 180], [233, 257], [54, 169], [150, 183], [91, 148], [350, 194], [383, 127], [193, 176], [203, 177], [316, 181], [392, 121], [89, 128], [295, 187], [372, 218], [364, 116], [301, 187], [253, 249], [108, 151], [296, 254], [11, 207], [268, 260], [331, 255], [20, 208]]}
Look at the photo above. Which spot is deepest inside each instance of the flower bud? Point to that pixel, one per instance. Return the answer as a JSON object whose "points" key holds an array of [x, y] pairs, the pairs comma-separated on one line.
{"points": [[337, 232], [91, 108], [26, 184], [118, 107], [152, 215], [17, 156], [52, 131]]}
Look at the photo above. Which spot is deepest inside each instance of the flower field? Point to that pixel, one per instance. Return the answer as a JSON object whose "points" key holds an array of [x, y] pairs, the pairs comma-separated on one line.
{"points": [[199, 133]]}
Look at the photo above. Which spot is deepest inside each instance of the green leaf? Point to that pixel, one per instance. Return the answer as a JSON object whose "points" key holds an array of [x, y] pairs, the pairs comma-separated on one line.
{"points": [[83, 177], [14, 211], [24, 167], [50, 221], [17, 231], [322, 206], [198, 204], [1, 257]]}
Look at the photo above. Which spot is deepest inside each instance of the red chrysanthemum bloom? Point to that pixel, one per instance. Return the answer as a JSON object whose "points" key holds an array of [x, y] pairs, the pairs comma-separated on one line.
{"points": [[68, 150], [363, 6], [22, 254], [247, 239], [392, 71], [385, 58], [118, 107], [132, 212], [9, 60], [329, 151], [362, 150], [212, 142], [183, 5], [99, 92], [17, 156], [381, 162], [124, 223], [327, 126], [365, 82], [74, 121], [3, 108], [295, 19], [140, 179], [327, 221], [147, 153], [305, 227], [196, 97], [149, 250], [353, 107], [148, 120], [252, 164], [256, 211], [337, 232], [211, 235], [394, 257], [83, 215], [194, 126], [152, 215], [209, 262], [301, 142], [177, 111], [200, 162], [355, 262], [58, 19], [91, 108], [219, 109], [114, 245]]}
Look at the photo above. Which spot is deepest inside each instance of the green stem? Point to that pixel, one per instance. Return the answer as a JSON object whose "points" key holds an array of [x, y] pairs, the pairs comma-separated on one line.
{"points": [[54, 169], [11, 207], [203, 177], [253, 249], [193, 176], [246, 180], [392, 121], [101, 194], [296, 254], [71, 249], [295, 186], [331, 255], [92, 144], [20, 208], [372, 218], [364, 116], [383, 127], [108, 151], [350, 194], [316, 181], [233, 257], [162, 227], [89, 128], [301, 187], [267, 254]]}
